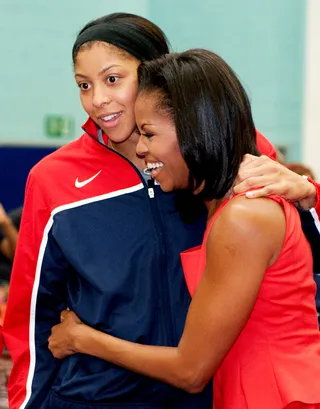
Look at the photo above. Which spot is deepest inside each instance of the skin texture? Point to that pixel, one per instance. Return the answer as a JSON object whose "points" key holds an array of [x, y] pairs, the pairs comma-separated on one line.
{"points": [[235, 267], [107, 80], [276, 179], [10, 234]]}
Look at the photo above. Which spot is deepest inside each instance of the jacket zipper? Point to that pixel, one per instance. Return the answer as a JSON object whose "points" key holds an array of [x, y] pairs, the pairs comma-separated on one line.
{"points": [[164, 292], [163, 273], [151, 188]]}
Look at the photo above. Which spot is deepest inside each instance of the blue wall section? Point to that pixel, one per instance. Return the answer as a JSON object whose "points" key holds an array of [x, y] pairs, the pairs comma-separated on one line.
{"points": [[263, 41], [16, 162]]}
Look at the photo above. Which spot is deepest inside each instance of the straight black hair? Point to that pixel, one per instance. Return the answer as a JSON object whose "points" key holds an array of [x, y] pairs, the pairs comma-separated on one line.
{"points": [[134, 34], [211, 112]]}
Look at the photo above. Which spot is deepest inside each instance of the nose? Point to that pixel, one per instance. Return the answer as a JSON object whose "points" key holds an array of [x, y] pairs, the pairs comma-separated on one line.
{"points": [[100, 97], [141, 148]]}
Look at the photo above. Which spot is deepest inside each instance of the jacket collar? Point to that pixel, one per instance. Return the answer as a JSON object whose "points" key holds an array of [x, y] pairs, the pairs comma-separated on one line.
{"points": [[92, 129]]}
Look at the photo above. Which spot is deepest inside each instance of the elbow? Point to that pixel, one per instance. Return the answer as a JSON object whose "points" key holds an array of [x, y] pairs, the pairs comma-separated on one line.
{"points": [[193, 381]]}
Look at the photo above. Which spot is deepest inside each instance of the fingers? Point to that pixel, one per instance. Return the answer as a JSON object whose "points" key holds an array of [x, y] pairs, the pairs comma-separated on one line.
{"points": [[252, 182], [253, 194], [69, 317], [248, 159], [260, 174], [251, 161], [278, 189]]}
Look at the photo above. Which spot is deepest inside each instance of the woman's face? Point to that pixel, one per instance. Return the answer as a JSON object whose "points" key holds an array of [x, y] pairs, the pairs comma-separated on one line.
{"points": [[158, 144], [107, 78]]}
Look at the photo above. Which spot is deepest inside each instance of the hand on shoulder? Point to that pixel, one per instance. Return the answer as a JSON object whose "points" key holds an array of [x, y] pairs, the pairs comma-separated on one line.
{"points": [[270, 177]]}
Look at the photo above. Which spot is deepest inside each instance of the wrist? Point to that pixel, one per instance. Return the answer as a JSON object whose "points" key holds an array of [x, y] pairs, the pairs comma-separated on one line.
{"points": [[316, 190], [310, 196], [80, 338]]}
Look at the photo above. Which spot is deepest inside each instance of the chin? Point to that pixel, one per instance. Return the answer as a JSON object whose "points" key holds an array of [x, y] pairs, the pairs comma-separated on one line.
{"points": [[117, 138], [120, 136], [165, 187]]}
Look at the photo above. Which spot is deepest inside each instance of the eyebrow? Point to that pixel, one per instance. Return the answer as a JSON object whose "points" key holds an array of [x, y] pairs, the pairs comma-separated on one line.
{"points": [[103, 71], [145, 124]]}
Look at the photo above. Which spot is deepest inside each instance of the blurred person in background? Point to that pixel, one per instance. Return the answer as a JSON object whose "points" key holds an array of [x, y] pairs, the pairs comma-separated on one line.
{"points": [[9, 228], [301, 169]]}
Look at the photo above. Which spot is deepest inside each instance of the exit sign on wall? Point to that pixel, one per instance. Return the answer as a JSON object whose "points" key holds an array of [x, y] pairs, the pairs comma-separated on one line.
{"points": [[59, 126]]}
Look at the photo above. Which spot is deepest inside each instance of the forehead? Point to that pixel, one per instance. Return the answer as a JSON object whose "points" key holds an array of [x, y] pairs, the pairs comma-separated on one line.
{"points": [[148, 111], [101, 53], [146, 105]]}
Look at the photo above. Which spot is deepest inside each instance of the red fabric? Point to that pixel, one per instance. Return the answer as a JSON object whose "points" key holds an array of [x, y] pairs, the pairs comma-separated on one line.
{"points": [[317, 186], [276, 359], [264, 146], [299, 405]]}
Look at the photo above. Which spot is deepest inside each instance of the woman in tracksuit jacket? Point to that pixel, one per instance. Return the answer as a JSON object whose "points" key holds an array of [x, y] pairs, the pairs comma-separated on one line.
{"points": [[98, 237]]}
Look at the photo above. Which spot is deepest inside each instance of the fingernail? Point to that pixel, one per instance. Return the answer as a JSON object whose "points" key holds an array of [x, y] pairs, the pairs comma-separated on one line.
{"points": [[250, 195]]}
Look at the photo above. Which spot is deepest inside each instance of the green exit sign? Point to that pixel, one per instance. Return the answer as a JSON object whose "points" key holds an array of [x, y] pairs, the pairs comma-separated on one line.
{"points": [[59, 126]]}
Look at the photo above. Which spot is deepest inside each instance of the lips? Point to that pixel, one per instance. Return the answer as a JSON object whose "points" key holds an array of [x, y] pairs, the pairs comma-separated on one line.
{"points": [[154, 168], [110, 120], [110, 117]]}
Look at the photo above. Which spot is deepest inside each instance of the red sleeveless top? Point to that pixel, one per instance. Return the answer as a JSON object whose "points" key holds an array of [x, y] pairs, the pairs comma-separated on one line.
{"points": [[276, 358]]}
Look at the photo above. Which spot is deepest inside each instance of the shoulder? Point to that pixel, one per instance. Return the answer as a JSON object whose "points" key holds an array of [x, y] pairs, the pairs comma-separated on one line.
{"points": [[58, 161], [247, 224], [242, 211]]}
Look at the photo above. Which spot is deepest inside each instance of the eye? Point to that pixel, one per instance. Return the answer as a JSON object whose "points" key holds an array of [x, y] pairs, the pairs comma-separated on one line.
{"points": [[112, 79], [148, 135], [84, 86]]}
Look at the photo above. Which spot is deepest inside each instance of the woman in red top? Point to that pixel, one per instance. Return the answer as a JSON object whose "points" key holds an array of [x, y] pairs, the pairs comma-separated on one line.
{"points": [[252, 322]]}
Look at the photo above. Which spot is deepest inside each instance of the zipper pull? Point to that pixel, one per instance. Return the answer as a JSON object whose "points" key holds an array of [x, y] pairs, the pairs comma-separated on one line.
{"points": [[151, 188]]}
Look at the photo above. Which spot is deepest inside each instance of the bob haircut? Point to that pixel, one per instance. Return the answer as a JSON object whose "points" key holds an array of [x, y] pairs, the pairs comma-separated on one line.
{"points": [[211, 112]]}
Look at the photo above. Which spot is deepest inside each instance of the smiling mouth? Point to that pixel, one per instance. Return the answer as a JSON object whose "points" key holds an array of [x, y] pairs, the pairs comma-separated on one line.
{"points": [[111, 117], [153, 168], [154, 165]]}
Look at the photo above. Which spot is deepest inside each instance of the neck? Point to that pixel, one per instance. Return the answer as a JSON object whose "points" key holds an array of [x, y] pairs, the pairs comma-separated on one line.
{"points": [[213, 205], [128, 150]]}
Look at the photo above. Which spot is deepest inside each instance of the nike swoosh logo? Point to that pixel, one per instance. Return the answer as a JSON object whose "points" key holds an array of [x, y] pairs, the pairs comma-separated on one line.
{"points": [[85, 182]]}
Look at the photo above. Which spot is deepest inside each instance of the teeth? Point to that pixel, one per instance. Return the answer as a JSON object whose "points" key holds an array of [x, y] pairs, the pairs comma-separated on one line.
{"points": [[109, 117], [154, 165]]}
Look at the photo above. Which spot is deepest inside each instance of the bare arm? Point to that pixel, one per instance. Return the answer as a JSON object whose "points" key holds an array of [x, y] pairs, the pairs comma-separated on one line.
{"points": [[235, 268], [270, 177], [10, 233]]}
